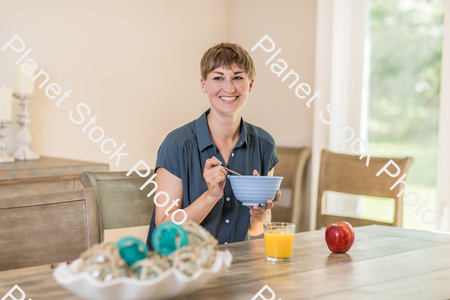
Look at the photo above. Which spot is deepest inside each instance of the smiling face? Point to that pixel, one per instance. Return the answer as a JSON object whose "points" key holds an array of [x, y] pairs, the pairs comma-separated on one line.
{"points": [[227, 89]]}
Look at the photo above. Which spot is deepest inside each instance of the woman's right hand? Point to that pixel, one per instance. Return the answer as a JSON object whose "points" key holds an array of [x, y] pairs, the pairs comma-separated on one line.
{"points": [[215, 177]]}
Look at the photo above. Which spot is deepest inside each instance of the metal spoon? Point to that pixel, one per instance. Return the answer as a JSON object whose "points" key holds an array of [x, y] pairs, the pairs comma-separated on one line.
{"points": [[232, 171]]}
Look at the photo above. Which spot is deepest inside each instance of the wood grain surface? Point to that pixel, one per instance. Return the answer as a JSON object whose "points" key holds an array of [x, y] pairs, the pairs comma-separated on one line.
{"points": [[43, 176], [384, 263], [44, 229]]}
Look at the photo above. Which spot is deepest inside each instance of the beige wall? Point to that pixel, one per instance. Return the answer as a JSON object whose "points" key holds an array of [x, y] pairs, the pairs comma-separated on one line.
{"points": [[136, 65]]}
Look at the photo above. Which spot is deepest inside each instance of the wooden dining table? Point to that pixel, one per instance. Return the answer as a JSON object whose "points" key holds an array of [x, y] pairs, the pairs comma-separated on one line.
{"points": [[384, 263]]}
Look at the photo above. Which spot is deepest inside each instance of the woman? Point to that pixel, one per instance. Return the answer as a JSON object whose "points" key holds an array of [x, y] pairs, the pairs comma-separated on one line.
{"points": [[190, 159]]}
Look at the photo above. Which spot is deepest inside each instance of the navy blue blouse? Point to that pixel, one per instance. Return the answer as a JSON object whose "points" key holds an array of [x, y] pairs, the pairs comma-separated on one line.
{"points": [[184, 153]]}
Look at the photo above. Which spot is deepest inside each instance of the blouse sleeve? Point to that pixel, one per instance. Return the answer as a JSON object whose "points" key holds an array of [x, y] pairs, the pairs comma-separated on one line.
{"points": [[273, 158], [168, 156]]}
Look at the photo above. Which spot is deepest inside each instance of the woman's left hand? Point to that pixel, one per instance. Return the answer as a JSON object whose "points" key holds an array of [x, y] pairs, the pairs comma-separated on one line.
{"points": [[259, 213]]}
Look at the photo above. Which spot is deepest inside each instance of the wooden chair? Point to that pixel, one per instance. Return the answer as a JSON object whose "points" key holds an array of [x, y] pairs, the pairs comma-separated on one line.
{"points": [[292, 167], [348, 174], [120, 201], [47, 228]]}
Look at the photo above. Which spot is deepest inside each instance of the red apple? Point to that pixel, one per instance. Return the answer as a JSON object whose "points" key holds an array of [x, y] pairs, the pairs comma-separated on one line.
{"points": [[339, 237]]}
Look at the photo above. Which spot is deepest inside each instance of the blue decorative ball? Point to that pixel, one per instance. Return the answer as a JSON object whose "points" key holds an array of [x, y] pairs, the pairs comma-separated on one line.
{"points": [[168, 237], [132, 250]]}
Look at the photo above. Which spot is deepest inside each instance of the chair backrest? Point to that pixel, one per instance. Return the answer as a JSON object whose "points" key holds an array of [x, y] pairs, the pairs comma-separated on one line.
{"points": [[46, 228], [120, 201], [292, 167], [348, 174]]}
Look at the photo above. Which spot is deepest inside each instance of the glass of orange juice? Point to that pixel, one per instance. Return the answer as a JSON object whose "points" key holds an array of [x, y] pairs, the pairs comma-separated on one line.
{"points": [[279, 241]]}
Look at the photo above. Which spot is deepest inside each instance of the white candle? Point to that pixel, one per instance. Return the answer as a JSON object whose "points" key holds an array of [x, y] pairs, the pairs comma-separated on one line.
{"points": [[24, 85], [5, 104]]}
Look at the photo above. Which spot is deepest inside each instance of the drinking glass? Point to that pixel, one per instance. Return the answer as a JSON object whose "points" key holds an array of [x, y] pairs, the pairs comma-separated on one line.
{"points": [[279, 241]]}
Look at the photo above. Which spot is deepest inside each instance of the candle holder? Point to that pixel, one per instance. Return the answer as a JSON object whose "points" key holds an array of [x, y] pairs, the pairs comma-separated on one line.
{"points": [[4, 158], [24, 135]]}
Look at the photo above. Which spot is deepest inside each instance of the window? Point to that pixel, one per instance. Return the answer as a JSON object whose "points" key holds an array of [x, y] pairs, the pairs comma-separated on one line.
{"points": [[403, 103]]}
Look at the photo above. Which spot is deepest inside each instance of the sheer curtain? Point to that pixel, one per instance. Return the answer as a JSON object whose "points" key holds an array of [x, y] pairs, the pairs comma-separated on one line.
{"points": [[341, 58]]}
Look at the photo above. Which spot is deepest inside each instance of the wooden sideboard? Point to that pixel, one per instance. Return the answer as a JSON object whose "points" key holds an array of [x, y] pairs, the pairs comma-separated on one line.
{"points": [[46, 175]]}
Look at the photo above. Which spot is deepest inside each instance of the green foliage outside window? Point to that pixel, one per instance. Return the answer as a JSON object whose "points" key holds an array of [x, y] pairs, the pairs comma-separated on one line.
{"points": [[406, 48], [405, 67]]}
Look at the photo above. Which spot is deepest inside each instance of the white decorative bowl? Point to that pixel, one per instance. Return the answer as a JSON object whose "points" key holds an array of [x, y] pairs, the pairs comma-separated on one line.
{"points": [[255, 190], [171, 283]]}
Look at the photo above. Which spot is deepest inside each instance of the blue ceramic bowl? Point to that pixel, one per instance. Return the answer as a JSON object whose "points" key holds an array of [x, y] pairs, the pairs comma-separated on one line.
{"points": [[255, 190]]}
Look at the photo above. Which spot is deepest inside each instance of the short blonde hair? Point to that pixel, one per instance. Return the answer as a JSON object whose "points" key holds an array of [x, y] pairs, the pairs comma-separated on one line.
{"points": [[224, 55]]}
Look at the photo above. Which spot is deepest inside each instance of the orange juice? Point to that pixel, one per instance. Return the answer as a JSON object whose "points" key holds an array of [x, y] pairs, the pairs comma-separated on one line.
{"points": [[279, 243]]}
